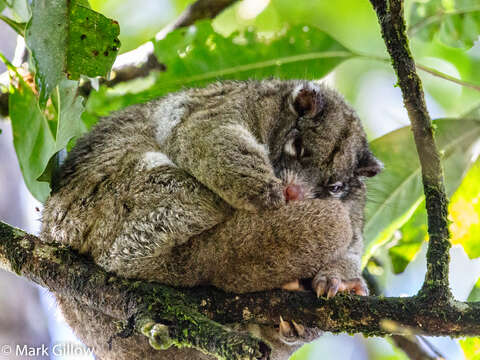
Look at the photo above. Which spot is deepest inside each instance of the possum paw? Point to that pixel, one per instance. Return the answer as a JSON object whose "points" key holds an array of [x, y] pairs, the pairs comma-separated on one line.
{"points": [[331, 285], [291, 333]]}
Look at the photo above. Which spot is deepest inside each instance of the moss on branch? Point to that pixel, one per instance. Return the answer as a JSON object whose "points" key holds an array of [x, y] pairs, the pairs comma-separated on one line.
{"points": [[194, 317], [392, 23]]}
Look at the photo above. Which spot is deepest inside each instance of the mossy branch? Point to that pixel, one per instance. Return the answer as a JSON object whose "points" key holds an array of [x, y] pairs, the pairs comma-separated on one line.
{"points": [[392, 23], [142, 305], [189, 317]]}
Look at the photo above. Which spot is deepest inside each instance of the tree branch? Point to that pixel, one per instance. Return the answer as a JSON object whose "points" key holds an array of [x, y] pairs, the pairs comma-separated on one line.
{"points": [[392, 23], [143, 304], [412, 347], [202, 310]]}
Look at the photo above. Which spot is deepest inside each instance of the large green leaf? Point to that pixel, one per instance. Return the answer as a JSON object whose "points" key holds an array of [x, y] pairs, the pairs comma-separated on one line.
{"points": [[32, 138], [198, 55], [464, 212], [19, 9], [412, 235], [46, 37], [395, 194], [475, 293], [414, 232], [37, 134], [471, 348], [454, 23], [67, 37]]}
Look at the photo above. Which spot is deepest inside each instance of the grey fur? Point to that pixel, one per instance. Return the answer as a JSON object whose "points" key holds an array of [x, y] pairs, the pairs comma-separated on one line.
{"points": [[189, 189]]}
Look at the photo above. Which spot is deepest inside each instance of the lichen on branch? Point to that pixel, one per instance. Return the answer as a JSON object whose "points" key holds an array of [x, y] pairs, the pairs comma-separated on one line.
{"points": [[204, 309], [391, 18]]}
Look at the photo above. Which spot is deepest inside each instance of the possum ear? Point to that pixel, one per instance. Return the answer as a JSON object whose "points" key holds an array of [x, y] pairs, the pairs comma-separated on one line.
{"points": [[368, 165], [306, 100]]}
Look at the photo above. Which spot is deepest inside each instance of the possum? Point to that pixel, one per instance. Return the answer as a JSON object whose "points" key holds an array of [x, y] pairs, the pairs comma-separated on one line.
{"points": [[247, 186]]}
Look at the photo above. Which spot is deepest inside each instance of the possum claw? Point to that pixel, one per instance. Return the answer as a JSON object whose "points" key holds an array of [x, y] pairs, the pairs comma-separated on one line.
{"points": [[296, 334], [285, 329], [300, 329], [331, 285], [356, 286], [319, 285]]}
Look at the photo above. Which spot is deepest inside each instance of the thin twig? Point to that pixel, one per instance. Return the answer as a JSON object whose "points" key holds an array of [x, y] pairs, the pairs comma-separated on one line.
{"points": [[412, 348], [432, 348]]}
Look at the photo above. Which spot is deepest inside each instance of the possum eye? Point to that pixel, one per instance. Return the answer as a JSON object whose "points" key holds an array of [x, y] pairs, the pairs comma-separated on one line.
{"points": [[297, 144], [336, 189], [294, 147]]}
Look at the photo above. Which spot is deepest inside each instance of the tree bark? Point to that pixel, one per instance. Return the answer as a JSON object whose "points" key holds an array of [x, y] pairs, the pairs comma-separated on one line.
{"points": [[392, 23], [191, 314]]}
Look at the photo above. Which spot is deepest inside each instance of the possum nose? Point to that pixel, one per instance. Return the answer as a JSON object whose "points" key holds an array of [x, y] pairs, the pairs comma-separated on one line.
{"points": [[293, 192]]}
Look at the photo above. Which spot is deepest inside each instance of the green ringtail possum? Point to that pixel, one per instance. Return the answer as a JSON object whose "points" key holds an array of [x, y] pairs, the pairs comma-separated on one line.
{"points": [[246, 186]]}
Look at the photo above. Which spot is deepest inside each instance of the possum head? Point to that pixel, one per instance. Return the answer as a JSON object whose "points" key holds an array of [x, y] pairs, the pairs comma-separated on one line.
{"points": [[325, 151]]}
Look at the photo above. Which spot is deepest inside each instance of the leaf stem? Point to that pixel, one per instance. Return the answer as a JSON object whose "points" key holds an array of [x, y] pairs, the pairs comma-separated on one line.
{"points": [[426, 69], [438, 17], [439, 74], [19, 28]]}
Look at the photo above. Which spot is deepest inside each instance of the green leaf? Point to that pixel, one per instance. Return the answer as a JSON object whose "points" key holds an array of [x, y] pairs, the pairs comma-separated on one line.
{"points": [[412, 235], [18, 27], [464, 212], [36, 138], [453, 23], [92, 44], [471, 348], [68, 38], [198, 55], [475, 293], [464, 215], [396, 193], [67, 123], [69, 110], [46, 37], [19, 8], [32, 138]]}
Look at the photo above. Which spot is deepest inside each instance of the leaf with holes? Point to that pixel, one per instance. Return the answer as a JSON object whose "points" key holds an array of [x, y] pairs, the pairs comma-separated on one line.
{"points": [[67, 37]]}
